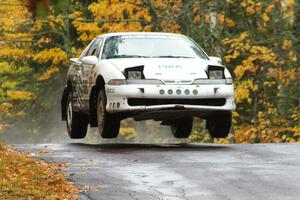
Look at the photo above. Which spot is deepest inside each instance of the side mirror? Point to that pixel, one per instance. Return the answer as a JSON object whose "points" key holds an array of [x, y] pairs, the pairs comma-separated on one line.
{"points": [[215, 60], [89, 60]]}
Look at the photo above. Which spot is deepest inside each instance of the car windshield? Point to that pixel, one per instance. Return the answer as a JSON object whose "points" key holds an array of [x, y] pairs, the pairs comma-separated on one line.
{"points": [[145, 46]]}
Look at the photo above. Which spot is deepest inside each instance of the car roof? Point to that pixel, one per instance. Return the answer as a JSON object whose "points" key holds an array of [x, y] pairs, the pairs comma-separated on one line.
{"points": [[140, 33]]}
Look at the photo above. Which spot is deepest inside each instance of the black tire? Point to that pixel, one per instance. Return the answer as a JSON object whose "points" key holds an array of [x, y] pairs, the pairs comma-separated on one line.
{"points": [[108, 124], [219, 125], [77, 122], [182, 128]]}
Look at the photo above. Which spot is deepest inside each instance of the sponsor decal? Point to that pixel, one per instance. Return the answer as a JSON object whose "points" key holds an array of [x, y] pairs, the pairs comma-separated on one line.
{"points": [[110, 90], [169, 66]]}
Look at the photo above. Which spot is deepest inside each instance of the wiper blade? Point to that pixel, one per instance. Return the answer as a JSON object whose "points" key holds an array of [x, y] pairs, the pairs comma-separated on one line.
{"points": [[127, 56], [170, 56]]}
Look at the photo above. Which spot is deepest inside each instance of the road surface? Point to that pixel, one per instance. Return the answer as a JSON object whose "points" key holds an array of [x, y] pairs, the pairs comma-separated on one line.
{"points": [[179, 171]]}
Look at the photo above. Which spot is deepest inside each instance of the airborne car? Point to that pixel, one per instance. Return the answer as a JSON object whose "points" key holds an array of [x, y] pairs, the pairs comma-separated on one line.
{"points": [[161, 76]]}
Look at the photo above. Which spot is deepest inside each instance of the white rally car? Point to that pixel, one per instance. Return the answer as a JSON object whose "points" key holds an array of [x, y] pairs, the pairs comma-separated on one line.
{"points": [[161, 76]]}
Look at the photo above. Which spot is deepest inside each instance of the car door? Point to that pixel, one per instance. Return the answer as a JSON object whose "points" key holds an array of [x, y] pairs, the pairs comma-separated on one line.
{"points": [[84, 73]]}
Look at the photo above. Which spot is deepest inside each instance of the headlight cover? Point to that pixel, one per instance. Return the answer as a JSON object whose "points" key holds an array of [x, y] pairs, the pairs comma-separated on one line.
{"points": [[215, 74], [134, 75]]}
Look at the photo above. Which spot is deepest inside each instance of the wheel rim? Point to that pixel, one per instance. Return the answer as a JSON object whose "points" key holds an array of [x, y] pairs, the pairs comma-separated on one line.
{"points": [[101, 115], [69, 114]]}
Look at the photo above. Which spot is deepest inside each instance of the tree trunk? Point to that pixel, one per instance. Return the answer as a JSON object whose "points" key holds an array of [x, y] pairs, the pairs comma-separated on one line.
{"points": [[296, 26]]}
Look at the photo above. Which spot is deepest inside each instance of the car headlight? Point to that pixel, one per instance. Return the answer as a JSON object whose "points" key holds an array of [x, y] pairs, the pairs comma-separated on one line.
{"points": [[133, 75], [229, 81], [215, 74], [134, 81], [117, 82], [145, 82]]}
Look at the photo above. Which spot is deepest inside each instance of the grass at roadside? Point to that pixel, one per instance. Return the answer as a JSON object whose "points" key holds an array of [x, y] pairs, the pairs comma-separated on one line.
{"points": [[24, 177]]}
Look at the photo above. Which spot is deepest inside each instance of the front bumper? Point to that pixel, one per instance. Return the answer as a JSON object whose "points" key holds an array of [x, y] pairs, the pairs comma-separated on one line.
{"points": [[118, 97]]}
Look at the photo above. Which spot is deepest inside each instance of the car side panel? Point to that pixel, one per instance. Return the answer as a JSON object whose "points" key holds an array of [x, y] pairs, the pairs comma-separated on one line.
{"points": [[76, 83], [81, 77]]}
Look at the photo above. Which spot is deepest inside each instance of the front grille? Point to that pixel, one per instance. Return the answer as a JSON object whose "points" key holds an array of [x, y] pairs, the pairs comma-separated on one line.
{"points": [[195, 102]]}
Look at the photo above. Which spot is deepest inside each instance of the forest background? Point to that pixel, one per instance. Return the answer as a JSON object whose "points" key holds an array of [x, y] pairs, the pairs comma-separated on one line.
{"points": [[258, 40]]}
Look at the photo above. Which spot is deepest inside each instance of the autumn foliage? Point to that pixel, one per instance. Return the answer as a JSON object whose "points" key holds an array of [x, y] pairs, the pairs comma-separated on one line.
{"points": [[23, 177], [257, 39]]}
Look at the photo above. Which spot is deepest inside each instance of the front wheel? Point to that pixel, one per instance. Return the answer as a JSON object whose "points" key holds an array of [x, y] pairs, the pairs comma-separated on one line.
{"points": [[108, 124], [219, 125], [77, 122], [182, 128]]}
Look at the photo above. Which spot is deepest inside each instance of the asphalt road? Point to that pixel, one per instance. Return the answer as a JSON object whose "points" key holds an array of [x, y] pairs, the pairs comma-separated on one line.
{"points": [[179, 171]]}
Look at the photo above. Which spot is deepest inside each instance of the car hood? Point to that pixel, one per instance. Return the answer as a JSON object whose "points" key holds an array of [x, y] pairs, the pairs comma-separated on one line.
{"points": [[166, 68]]}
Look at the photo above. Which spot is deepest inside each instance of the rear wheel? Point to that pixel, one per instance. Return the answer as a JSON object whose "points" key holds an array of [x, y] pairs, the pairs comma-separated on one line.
{"points": [[77, 122], [108, 124], [219, 125], [182, 128]]}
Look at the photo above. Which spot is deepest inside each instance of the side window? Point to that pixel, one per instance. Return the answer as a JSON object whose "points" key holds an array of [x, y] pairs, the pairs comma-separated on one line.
{"points": [[95, 48]]}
